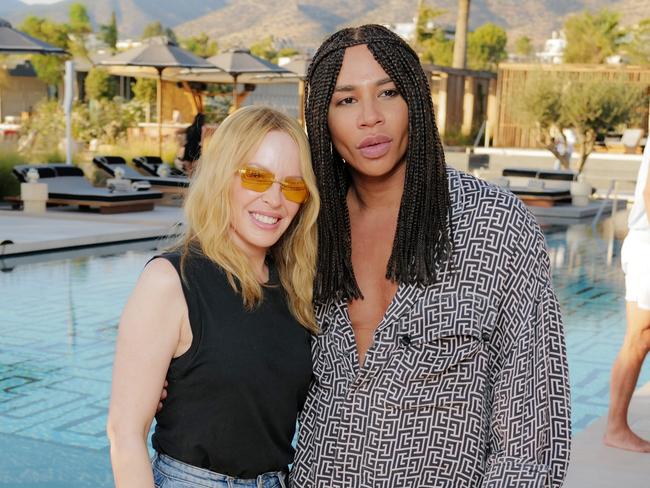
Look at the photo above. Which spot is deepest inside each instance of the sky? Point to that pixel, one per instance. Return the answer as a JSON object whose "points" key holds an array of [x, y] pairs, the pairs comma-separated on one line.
{"points": [[39, 1]]}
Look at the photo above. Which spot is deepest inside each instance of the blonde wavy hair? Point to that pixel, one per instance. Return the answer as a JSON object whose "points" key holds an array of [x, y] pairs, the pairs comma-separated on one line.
{"points": [[208, 211]]}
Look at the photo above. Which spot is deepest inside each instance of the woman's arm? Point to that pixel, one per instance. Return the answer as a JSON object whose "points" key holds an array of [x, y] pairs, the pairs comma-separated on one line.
{"points": [[646, 188], [149, 336]]}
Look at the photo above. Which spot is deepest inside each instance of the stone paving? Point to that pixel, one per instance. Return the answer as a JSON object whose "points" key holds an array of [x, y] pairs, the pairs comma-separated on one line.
{"points": [[58, 324]]}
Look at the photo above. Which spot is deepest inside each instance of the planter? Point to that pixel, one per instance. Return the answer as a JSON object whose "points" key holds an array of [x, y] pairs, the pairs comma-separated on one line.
{"points": [[34, 197], [580, 192]]}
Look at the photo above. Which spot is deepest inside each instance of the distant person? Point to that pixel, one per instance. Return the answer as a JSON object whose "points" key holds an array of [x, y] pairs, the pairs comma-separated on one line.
{"points": [[225, 319], [635, 259], [192, 145]]}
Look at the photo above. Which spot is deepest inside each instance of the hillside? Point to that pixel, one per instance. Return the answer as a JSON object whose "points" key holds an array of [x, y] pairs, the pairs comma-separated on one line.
{"points": [[306, 22], [132, 15]]}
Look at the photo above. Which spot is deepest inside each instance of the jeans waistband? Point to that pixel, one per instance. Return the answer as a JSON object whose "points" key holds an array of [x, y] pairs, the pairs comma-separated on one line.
{"points": [[173, 467]]}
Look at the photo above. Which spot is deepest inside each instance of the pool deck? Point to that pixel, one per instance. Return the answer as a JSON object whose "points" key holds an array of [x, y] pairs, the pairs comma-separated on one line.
{"points": [[65, 228], [595, 465]]}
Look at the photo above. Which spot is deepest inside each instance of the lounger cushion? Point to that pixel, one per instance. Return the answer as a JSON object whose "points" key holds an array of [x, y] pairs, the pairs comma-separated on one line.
{"points": [[69, 171], [109, 163], [151, 163], [540, 192], [544, 174]]}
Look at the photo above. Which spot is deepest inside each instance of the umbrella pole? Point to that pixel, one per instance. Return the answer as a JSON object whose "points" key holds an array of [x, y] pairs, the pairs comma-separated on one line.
{"points": [[159, 110], [235, 105], [301, 102]]}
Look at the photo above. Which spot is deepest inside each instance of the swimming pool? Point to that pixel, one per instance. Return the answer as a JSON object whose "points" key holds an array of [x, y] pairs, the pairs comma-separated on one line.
{"points": [[59, 321]]}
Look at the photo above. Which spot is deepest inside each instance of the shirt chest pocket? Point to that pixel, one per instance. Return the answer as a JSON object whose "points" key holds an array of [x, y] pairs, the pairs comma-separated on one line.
{"points": [[326, 359], [441, 364]]}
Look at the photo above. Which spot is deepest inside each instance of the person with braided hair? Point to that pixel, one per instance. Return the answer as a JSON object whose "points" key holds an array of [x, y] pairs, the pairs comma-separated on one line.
{"points": [[440, 359]]}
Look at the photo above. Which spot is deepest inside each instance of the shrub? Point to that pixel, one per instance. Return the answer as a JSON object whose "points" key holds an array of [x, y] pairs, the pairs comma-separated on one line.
{"points": [[9, 158], [41, 134], [105, 120]]}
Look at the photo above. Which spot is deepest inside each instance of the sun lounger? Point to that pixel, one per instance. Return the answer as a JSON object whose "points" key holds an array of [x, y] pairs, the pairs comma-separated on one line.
{"points": [[628, 143], [165, 184], [539, 178], [540, 187], [67, 185], [151, 165]]}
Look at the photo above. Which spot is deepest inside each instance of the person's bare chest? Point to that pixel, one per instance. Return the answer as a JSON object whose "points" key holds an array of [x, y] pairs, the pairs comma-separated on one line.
{"points": [[371, 249]]}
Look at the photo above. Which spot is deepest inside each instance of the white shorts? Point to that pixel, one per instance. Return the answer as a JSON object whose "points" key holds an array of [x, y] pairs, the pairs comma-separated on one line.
{"points": [[635, 259]]}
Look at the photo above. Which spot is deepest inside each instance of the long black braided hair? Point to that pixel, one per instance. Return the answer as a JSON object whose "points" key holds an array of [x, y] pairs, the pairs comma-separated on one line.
{"points": [[423, 235]]}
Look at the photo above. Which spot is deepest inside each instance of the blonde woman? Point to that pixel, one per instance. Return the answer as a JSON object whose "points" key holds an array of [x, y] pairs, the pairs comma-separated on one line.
{"points": [[225, 319]]}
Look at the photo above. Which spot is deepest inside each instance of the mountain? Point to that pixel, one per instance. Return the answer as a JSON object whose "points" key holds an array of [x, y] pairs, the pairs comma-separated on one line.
{"points": [[305, 23], [132, 15], [9, 6]]}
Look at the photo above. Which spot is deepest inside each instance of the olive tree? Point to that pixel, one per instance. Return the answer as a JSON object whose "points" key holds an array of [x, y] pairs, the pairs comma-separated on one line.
{"points": [[553, 104]]}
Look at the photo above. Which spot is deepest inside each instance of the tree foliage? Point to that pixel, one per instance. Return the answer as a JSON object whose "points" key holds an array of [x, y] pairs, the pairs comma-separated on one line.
{"points": [[99, 84], [144, 91], [554, 104], [48, 68], [264, 48], [523, 46], [108, 32], [591, 38], [45, 128], [200, 45], [486, 47], [79, 19], [155, 29], [105, 120], [638, 48], [430, 39], [78, 27], [286, 52]]}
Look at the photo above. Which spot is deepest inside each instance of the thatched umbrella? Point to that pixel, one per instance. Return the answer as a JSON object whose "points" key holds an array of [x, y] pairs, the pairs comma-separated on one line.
{"points": [[13, 41], [237, 62], [155, 55]]}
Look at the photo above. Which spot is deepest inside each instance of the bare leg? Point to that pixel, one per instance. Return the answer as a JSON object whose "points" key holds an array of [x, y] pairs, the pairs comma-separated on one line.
{"points": [[625, 374]]}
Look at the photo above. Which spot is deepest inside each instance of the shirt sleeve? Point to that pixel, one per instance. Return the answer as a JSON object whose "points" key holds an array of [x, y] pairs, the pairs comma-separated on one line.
{"points": [[530, 425]]}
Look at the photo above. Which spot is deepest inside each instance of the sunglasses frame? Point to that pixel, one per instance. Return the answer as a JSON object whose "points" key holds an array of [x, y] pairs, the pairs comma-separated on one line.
{"points": [[285, 187]]}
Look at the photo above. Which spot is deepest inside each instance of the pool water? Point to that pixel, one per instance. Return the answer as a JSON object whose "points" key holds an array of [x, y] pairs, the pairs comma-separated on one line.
{"points": [[58, 322]]}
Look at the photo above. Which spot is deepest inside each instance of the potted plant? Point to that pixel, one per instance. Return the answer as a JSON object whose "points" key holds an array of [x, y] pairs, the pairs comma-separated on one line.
{"points": [[569, 114]]}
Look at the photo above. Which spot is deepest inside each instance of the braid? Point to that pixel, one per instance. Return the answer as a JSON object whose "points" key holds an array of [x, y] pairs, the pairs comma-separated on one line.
{"points": [[423, 235]]}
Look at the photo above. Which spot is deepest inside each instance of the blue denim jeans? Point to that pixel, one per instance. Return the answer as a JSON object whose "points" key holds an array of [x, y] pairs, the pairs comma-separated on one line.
{"points": [[170, 473]]}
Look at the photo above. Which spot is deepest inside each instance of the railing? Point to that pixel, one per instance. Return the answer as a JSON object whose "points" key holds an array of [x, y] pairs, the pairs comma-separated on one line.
{"points": [[613, 187]]}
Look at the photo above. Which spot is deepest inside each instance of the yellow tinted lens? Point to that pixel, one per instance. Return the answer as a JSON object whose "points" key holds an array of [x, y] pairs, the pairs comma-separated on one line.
{"points": [[256, 179], [294, 189]]}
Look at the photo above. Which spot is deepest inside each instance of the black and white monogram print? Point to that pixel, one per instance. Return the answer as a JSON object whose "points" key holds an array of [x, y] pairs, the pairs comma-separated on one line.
{"points": [[466, 383]]}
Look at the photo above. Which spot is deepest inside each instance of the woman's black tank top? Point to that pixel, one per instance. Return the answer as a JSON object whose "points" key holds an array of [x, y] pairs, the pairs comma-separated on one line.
{"points": [[234, 396]]}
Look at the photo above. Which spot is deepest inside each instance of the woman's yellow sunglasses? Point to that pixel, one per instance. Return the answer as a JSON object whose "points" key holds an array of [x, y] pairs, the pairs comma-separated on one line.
{"points": [[260, 180]]}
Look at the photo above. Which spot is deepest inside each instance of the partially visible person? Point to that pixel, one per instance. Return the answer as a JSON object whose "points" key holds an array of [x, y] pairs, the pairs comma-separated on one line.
{"points": [[192, 144], [635, 259], [225, 318]]}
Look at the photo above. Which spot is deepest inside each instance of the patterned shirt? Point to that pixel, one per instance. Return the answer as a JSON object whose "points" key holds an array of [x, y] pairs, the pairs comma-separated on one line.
{"points": [[466, 382]]}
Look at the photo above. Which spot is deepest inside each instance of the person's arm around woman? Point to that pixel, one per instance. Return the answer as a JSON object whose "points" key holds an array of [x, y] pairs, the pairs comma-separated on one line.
{"points": [[646, 188], [152, 330]]}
